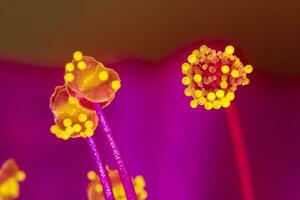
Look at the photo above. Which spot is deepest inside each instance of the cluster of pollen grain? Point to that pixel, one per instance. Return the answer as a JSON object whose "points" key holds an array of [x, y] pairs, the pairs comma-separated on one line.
{"points": [[72, 120], [10, 176], [212, 77], [91, 79], [95, 189]]}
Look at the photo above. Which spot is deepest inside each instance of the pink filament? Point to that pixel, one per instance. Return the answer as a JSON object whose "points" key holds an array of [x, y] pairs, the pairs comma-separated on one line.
{"points": [[104, 179], [123, 172], [240, 153]]}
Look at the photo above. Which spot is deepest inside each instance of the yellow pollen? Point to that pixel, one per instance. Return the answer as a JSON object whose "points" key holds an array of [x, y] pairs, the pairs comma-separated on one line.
{"points": [[248, 69], [246, 81], [70, 67], [140, 181], [229, 50], [203, 48], [89, 124], [235, 73], [217, 104], [103, 76], [202, 100], [225, 69], [225, 102], [194, 103], [73, 101], [230, 96], [21, 176], [188, 92], [197, 78], [195, 52], [67, 122], [77, 55], [82, 117], [186, 80], [198, 93], [69, 77], [54, 129], [89, 132], [77, 128], [192, 59], [115, 85], [81, 65], [220, 93], [69, 131], [185, 67], [211, 96], [91, 175], [224, 84], [208, 105], [98, 188]]}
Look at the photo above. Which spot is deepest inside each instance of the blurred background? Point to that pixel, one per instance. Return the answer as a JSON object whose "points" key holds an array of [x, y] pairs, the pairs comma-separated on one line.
{"points": [[182, 153], [45, 32]]}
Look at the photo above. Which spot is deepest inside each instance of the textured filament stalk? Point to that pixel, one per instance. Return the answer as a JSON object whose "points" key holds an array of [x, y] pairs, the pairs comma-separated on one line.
{"points": [[122, 168], [240, 153], [104, 178]]}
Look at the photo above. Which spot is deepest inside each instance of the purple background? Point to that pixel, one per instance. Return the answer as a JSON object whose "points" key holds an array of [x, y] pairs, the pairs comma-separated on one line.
{"points": [[182, 153]]}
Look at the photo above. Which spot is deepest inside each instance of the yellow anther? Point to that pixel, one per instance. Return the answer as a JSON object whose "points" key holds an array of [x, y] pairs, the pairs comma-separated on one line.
{"points": [[223, 84], [82, 134], [69, 131], [224, 77], [70, 67], [225, 69], [197, 78], [139, 181], [103, 76], [98, 188], [246, 81], [203, 48], [208, 105], [220, 93], [230, 96], [248, 69], [91, 175], [225, 102], [195, 52], [21, 176], [77, 128], [211, 96], [54, 129], [69, 77], [65, 136], [188, 92], [202, 100], [229, 50], [115, 85], [89, 132], [198, 93], [77, 55], [73, 101], [185, 67], [81, 65], [217, 104], [82, 117], [89, 124], [67, 122], [235, 73], [186, 80], [194, 103], [192, 59]]}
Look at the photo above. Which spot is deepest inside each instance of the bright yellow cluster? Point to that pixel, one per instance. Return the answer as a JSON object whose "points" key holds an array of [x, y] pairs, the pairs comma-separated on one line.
{"points": [[10, 176], [95, 190], [212, 77], [91, 79], [72, 120]]}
